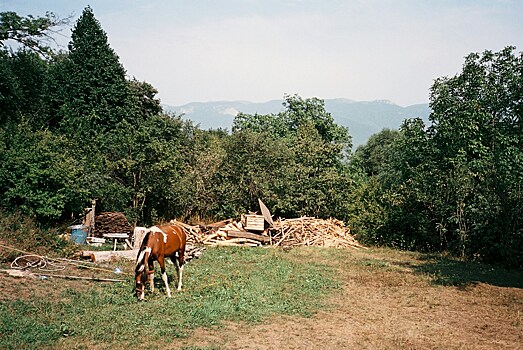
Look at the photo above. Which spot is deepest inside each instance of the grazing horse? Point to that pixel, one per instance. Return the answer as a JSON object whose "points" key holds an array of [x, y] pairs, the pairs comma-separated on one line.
{"points": [[159, 242]]}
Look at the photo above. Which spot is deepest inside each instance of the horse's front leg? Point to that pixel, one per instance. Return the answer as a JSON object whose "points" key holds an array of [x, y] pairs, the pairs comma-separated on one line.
{"points": [[164, 276], [151, 275]]}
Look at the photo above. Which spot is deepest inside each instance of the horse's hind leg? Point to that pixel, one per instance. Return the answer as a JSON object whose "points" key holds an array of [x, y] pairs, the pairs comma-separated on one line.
{"points": [[179, 272], [164, 276]]}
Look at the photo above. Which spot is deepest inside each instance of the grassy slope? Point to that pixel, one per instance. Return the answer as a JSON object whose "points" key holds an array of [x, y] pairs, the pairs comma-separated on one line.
{"points": [[382, 298]]}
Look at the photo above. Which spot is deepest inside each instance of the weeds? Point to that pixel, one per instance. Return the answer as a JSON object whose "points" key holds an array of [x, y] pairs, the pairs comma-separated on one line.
{"points": [[23, 233]]}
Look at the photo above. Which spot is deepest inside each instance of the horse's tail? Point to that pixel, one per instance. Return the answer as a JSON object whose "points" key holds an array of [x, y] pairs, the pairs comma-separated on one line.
{"points": [[143, 255]]}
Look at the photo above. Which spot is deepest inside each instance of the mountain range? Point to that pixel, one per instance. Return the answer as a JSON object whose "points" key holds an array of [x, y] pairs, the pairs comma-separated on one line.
{"points": [[362, 118]]}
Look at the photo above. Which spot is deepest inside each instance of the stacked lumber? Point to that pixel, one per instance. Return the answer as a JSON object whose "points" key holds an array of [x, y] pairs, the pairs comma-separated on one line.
{"points": [[111, 222], [194, 233], [229, 232], [309, 231], [304, 231]]}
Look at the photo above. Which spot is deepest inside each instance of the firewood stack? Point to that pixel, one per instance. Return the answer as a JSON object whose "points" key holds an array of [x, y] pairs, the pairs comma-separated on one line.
{"points": [[308, 231], [194, 233], [111, 222], [305, 231]]}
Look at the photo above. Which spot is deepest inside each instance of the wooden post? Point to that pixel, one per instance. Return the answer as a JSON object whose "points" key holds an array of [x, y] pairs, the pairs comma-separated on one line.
{"points": [[138, 235], [89, 217]]}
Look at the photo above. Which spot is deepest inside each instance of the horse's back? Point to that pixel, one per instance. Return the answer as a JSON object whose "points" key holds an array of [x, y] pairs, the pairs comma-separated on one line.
{"points": [[174, 238]]}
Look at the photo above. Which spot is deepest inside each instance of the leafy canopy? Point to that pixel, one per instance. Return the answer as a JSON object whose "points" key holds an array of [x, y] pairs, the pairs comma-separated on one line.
{"points": [[34, 33]]}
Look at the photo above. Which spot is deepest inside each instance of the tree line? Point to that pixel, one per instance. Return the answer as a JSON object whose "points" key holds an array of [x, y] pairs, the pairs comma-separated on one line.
{"points": [[74, 127]]}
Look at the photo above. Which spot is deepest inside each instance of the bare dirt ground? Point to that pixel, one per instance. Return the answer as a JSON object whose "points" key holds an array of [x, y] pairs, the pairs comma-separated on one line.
{"points": [[32, 287], [385, 302], [386, 307], [379, 321]]}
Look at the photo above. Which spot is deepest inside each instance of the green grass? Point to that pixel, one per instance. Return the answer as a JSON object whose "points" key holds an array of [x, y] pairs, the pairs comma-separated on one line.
{"points": [[25, 324], [246, 285]]}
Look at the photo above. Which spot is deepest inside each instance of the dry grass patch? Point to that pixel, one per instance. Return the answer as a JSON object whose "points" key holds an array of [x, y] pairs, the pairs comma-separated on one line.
{"points": [[395, 300]]}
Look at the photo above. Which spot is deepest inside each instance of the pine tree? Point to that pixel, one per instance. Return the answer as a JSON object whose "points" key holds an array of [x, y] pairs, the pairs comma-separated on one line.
{"points": [[97, 94]]}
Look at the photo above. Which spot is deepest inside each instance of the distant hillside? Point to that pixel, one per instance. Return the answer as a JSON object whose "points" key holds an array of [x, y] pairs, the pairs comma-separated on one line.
{"points": [[362, 118]]}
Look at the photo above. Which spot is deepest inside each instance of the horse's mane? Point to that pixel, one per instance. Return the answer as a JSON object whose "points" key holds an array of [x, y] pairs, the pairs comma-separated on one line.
{"points": [[140, 258]]}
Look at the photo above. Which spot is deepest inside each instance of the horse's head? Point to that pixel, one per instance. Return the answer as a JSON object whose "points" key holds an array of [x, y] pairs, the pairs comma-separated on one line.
{"points": [[141, 270], [140, 276], [140, 281]]}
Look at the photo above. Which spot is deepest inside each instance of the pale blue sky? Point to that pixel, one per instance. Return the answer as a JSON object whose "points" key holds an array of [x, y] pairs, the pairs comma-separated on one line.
{"points": [[259, 50]]}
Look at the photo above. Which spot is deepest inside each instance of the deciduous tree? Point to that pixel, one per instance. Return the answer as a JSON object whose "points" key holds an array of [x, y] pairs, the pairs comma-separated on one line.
{"points": [[33, 33]]}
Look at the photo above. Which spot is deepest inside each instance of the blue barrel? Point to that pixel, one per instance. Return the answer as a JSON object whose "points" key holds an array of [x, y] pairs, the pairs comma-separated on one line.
{"points": [[78, 234]]}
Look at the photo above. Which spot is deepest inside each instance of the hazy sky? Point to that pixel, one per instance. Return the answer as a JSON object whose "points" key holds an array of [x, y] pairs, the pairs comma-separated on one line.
{"points": [[259, 50]]}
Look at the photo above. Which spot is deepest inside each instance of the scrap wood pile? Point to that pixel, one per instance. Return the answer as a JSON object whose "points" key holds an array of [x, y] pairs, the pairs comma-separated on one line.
{"points": [[111, 222], [305, 231], [229, 232], [308, 231], [224, 233], [192, 252], [193, 232]]}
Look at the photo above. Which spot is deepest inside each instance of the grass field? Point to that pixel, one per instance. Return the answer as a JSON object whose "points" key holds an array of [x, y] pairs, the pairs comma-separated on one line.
{"points": [[250, 298]]}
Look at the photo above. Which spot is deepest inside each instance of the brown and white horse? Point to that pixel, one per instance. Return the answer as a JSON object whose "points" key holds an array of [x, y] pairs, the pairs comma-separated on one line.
{"points": [[159, 242]]}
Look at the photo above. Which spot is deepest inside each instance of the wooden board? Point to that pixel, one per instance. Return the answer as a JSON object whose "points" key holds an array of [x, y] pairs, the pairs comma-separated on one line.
{"points": [[243, 234], [97, 256], [253, 222]]}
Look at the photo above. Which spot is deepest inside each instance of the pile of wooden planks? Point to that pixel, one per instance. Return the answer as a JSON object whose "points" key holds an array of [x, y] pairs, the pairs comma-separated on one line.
{"points": [[229, 232], [305, 231], [309, 231], [111, 222], [193, 233]]}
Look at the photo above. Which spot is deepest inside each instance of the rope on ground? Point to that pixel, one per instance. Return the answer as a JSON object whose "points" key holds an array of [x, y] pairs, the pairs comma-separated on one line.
{"points": [[38, 261], [30, 261]]}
